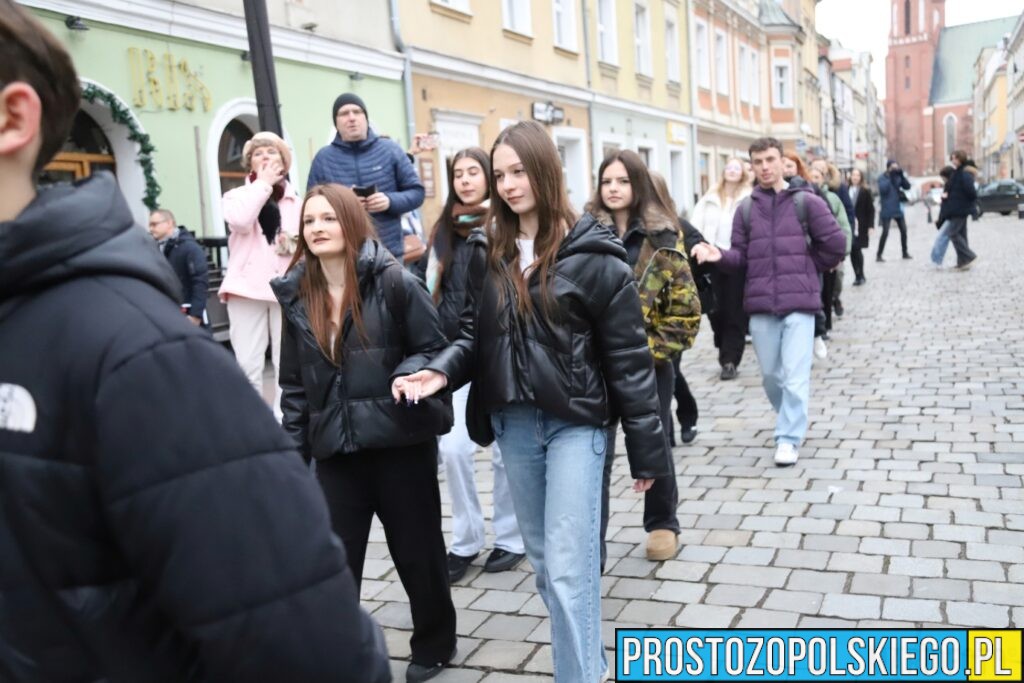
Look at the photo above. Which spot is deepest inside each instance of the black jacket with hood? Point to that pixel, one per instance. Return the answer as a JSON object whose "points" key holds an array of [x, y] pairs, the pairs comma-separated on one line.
{"points": [[469, 256], [155, 523], [188, 260], [333, 409], [588, 366]]}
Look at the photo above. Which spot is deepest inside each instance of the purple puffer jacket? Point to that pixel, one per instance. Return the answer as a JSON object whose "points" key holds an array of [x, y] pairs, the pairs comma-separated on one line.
{"points": [[782, 271]]}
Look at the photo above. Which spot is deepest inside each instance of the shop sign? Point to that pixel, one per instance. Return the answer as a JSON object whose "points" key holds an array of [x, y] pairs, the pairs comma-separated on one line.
{"points": [[166, 82], [678, 133]]}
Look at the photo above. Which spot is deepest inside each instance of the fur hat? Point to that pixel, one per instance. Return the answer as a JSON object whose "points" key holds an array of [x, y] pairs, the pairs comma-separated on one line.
{"points": [[265, 139]]}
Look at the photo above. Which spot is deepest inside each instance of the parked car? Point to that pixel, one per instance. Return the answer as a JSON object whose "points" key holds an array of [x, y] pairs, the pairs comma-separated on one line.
{"points": [[1002, 196]]}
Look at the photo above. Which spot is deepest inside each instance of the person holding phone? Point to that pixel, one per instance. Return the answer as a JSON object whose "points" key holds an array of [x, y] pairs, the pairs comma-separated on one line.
{"points": [[263, 224], [355, 319], [557, 348], [376, 169]]}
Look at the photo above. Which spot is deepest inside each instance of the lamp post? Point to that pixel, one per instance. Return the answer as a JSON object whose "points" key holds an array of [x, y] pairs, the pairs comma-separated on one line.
{"points": [[262, 56]]}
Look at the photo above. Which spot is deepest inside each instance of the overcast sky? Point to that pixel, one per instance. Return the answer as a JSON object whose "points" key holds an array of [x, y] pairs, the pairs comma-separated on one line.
{"points": [[864, 25]]}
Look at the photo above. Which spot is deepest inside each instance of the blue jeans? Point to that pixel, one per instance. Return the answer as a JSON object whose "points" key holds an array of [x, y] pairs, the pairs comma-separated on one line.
{"points": [[554, 472], [785, 346], [941, 243]]}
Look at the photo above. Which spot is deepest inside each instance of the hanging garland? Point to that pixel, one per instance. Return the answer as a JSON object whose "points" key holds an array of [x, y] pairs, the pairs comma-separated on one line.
{"points": [[123, 116]]}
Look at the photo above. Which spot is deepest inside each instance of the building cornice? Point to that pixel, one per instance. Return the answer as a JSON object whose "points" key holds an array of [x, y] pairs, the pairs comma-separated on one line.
{"points": [[220, 29]]}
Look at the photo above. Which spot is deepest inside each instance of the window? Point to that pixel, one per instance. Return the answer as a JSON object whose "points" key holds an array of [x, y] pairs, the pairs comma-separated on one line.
{"points": [[906, 83], [85, 151], [949, 128], [671, 49], [565, 23], [229, 154], [517, 16], [608, 40], [460, 5], [703, 58], [642, 38], [920, 16], [906, 62], [705, 162], [755, 71], [906, 17], [782, 87], [744, 75], [645, 154], [721, 64]]}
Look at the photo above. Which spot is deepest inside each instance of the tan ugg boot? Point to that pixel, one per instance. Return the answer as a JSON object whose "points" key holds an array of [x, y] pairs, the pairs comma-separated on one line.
{"points": [[661, 545]]}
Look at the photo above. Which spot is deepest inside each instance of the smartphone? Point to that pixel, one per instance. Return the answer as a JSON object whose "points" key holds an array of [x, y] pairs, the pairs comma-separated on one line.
{"points": [[364, 190]]}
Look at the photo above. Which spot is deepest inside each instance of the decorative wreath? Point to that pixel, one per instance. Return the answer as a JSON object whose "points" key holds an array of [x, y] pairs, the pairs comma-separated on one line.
{"points": [[122, 115]]}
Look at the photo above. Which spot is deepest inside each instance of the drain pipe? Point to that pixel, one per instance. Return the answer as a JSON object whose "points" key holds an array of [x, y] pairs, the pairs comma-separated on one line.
{"points": [[396, 36], [584, 8]]}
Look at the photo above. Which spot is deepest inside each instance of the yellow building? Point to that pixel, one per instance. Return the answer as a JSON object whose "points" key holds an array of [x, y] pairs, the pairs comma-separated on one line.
{"points": [[993, 147], [601, 74]]}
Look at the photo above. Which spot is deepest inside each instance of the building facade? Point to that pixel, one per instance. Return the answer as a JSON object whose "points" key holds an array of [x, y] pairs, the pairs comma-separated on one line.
{"points": [[1015, 97]]}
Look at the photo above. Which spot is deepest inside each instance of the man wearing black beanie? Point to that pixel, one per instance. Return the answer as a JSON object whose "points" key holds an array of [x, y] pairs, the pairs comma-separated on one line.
{"points": [[376, 168]]}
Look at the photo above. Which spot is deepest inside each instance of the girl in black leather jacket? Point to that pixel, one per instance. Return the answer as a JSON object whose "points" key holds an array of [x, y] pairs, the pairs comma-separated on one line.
{"points": [[354, 319], [556, 349]]}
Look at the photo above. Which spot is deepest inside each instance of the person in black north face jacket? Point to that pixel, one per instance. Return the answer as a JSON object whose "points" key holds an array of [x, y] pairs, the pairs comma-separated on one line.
{"points": [[155, 523], [188, 260]]}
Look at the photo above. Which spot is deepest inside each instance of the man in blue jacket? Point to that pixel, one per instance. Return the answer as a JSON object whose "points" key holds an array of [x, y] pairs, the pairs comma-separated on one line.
{"points": [[890, 185], [377, 168]]}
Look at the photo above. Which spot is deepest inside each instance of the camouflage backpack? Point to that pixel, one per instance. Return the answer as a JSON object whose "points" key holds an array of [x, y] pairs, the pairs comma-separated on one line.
{"points": [[670, 304]]}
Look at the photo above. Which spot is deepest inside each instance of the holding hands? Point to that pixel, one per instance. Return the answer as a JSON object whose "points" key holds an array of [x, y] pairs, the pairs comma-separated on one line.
{"points": [[418, 385], [706, 253]]}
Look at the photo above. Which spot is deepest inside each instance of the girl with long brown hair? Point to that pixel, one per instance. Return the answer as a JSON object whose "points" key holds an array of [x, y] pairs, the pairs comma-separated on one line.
{"points": [[456, 264], [354, 320], [556, 349]]}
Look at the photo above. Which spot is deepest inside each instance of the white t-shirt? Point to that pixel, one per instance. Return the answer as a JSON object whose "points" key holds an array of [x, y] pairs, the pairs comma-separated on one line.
{"points": [[526, 257]]}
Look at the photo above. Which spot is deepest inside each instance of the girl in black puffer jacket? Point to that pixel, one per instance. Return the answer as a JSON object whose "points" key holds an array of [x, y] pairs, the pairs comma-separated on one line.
{"points": [[456, 265], [556, 349], [354, 320]]}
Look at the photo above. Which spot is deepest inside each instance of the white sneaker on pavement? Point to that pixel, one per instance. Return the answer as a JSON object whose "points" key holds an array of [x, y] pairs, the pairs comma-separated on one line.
{"points": [[785, 454], [820, 350]]}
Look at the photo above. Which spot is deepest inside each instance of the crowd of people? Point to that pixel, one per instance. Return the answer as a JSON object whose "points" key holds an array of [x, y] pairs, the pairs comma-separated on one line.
{"points": [[192, 533]]}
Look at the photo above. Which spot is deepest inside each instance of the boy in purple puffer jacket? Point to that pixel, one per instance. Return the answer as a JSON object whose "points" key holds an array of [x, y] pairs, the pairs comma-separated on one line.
{"points": [[783, 253]]}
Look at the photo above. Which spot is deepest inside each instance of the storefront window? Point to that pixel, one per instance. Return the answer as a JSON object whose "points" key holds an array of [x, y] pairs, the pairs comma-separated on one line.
{"points": [[86, 151], [229, 155]]}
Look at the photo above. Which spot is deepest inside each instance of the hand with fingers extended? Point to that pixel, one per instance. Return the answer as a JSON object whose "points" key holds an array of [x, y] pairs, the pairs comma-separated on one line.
{"points": [[706, 253], [642, 485], [271, 172], [418, 385]]}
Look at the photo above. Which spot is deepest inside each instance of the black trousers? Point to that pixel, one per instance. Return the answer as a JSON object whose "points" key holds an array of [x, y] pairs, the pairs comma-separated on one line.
{"points": [[958, 236], [729, 322], [828, 288], [400, 486], [661, 499], [686, 405], [901, 223], [857, 258]]}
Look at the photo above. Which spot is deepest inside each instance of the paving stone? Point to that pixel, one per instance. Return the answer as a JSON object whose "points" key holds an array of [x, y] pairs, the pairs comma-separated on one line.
{"points": [[506, 627], [851, 606], [680, 591], [977, 614], [802, 559], [853, 562], [635, 589], [854, 527], [999, 593], [501, 601], [975, 569], [803, 602], [937, 549], [956, 532], [812, 581], [770, 539], [941, 589], [905, 530], [675, 570], [650, 612], [734, 595], [706, 616], [501, 654], [885, 546], [728, 538], [803, 525], [881, 584], [769, 577], [762, 618], [840, 544], [996, 553], [912, 610], [701, 553], [915, 566], [751, 556]]}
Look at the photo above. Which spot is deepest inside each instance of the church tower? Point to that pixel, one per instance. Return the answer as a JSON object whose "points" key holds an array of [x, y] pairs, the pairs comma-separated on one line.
{"points": [[914, 31]]}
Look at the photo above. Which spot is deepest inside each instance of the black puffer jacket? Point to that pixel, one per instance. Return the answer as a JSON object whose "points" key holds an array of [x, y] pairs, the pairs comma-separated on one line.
{"points": [[155, 523], [456, 287], [188, 260], [589, 367], [333, 409]]}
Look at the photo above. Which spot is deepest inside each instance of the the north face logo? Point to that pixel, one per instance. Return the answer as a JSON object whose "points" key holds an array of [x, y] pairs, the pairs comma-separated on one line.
{"points": [[17, 409]]}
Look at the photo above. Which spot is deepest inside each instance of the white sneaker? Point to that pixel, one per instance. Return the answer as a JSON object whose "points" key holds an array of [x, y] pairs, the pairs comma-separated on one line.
{"points": [[820, 350], [785, 454]]}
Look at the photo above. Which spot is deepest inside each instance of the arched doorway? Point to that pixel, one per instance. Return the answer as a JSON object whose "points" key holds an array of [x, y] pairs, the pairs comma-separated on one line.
{"points": [[86, 151], [229, 154]]}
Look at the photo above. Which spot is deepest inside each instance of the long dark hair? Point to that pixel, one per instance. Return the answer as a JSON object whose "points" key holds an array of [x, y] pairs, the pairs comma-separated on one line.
{"points": [[442, 235], [555, 215], [356, 228], [644, 195]]}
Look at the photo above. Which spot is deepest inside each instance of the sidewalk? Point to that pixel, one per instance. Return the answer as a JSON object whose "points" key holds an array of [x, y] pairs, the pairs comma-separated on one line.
{"points": [[906, 508]]}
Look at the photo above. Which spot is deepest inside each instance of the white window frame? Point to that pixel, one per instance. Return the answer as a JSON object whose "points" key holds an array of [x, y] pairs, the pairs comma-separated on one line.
{"points": [[457, 5], [607, 32], [563, 18], [703, 45], [517, 17], [744, 70], [721, 62], [672, 68], [642, 37], [787, 81], [755, 72], [651, 149]]}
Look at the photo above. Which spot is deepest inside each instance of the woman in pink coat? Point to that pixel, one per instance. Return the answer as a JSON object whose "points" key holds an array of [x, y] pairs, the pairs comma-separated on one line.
{"points": [[263, 218]]}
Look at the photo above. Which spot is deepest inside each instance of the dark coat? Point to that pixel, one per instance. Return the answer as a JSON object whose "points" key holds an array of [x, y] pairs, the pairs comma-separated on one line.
{"points": [[782, 271], [864, 212], [961, 194], [843, 192], [469, 256], [334, 409], [373, 161], [188, 260], [589, 367], [155, 522], [889, 186]]}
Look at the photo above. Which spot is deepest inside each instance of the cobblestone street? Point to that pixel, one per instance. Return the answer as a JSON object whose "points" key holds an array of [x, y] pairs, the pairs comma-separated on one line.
{"points": [[905, 509]]}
